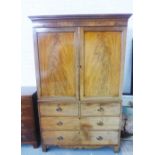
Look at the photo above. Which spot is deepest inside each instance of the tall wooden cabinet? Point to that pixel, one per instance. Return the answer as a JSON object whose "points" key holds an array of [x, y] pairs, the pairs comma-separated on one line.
{"points": [[79, 71]]}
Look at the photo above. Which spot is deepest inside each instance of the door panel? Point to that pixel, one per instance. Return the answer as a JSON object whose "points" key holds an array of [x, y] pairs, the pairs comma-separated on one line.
{"points": [[57, 56], [101, 63]]}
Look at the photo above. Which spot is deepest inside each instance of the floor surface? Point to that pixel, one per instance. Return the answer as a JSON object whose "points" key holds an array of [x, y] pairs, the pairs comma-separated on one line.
{"points": [[126, 149]]}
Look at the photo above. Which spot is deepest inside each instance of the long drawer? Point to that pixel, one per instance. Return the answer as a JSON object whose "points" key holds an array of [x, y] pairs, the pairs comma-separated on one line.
{"points": [[61, 137], [62, 109], [100, 109], [84, 123], [59, 123], [80, 137]]}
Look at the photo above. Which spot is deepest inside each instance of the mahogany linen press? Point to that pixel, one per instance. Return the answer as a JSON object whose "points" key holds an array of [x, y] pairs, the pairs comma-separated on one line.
{"points": [[79, 63]]}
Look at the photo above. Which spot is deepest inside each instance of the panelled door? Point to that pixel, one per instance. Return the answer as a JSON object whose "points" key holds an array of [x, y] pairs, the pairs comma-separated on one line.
{"points": [[80, 63], [57, 55], [100, 61]]}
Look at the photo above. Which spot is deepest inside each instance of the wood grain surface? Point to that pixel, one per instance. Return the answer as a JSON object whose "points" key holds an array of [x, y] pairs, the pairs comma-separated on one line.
{"points": [[100, 109], [58, 109], [27, 109], [99, 137], [99, 123], [60, 123], [80, 138], [79, 71], [102, 59], [83, 123], [57, 63], [29, 118], [61, 137]]}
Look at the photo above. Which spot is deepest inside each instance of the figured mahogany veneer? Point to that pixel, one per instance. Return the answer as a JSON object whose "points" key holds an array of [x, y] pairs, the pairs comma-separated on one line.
{"points": [[79, 71], [84, 123], [57, 63], [58, 109], [102, 58]]}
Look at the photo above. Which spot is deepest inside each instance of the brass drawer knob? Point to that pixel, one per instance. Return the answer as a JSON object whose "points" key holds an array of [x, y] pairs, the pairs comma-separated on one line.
{"points": [[99, 138], [100, 109], [60, 123], [100, 123], [59, 109], [60, 138]]}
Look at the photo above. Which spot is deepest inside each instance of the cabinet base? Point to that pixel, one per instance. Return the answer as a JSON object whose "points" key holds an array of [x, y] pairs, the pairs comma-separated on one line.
{"points": [[116, 148]]}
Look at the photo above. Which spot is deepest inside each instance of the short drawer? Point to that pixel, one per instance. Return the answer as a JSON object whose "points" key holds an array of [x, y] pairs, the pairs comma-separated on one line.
{"points": [[27, 124], [62, 109], [99, 137], [59, 123], [100, 109], [60, 137], [100, 123]]}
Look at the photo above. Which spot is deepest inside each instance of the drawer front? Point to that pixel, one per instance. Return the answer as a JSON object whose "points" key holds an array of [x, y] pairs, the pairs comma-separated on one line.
{"points": [[100, 109], [59, 123], [80, 138], [85, 123], [60, 137], [99, 137], [62, 109], [27, 124], [100, 123]]}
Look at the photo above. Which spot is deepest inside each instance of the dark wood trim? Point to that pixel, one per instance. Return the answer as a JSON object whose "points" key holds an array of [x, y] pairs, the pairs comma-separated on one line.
{"points": [[81, 16], [36, 116], [66, 29], [80, 20]]}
